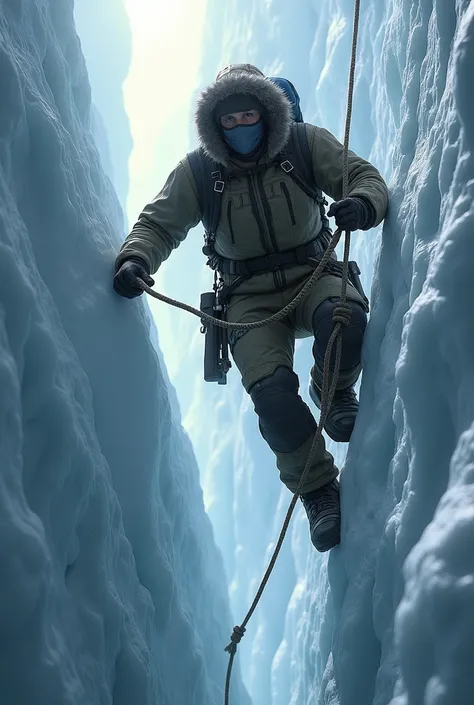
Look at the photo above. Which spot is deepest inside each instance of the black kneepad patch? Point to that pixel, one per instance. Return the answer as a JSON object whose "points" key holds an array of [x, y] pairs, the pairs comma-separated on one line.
{"points": [[352, 335], [285, 420]]}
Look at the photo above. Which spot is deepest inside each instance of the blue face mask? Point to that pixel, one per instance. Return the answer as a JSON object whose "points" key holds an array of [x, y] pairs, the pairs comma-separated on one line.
{"points": [[244, 138]]}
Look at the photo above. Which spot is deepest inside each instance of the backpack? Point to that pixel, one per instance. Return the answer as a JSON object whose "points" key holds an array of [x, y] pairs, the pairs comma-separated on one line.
{"points": [[290, 91], [295, 160]]}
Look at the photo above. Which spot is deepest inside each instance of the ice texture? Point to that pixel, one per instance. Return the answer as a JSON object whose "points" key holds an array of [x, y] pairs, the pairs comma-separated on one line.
{"points": [[112, 589]]}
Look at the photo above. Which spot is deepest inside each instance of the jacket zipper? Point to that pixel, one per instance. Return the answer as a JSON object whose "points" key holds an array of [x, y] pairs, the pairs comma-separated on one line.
{"points": [[267, 211], [256, 213], [229, 218], [286, 191], [278, 275]]}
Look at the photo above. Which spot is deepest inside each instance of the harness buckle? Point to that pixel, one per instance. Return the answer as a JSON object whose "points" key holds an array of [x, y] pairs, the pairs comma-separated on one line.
{"points": [[287, 166], [274, 262], [219, 186], [302, 254]]}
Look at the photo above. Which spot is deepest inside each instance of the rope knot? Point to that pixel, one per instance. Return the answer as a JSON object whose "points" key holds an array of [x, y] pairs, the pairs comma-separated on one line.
{"points": [[235, 639], [342, 314]]}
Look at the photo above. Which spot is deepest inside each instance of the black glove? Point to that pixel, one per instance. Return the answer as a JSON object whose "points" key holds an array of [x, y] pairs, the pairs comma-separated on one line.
{"points": [[125, 281], [353, 213]]}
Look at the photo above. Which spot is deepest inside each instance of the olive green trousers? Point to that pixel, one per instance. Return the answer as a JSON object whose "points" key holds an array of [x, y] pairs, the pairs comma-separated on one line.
{"points": [[258, 353]]}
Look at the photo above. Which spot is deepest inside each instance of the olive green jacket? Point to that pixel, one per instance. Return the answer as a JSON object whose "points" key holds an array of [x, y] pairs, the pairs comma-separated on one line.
{"points": [[262, 212]]}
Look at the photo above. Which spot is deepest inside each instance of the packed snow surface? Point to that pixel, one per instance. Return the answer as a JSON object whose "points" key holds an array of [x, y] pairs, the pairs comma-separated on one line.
{"points": [[112, 589]]}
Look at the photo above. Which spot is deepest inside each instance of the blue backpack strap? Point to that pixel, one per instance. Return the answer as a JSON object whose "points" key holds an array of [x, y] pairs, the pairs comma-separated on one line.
{"points": [[210, 186]]}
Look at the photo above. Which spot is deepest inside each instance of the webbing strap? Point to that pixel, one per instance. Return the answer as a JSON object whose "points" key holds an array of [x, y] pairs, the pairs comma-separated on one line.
{"points": [[267, 263], [206, 173], [299, 154]]}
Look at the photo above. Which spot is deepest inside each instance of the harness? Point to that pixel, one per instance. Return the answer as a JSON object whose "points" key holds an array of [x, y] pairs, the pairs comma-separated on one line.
{"points": [[210, 180], [294, 160]]}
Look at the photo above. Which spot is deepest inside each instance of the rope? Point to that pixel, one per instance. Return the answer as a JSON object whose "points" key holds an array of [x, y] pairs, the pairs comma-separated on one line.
{"points": [[265, 321], [341, 317]]}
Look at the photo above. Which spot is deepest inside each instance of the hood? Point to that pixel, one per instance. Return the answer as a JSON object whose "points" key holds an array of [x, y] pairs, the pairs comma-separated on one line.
{"points": [[242, 79]]}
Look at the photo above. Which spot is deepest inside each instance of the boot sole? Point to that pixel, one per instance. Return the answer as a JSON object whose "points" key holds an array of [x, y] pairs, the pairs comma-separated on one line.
{"points": [[327, 536], [337, 438]]}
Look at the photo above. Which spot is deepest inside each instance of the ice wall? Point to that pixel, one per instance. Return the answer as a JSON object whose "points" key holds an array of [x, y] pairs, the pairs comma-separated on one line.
{"points": [[112, 590], [106, 43], [405, 566]]}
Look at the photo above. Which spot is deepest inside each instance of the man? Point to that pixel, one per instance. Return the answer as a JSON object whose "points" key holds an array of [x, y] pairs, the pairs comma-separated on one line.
{"points": [[244, 122]]}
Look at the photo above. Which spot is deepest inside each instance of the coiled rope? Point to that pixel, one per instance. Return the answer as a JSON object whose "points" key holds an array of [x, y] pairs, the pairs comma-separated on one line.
{"points": [[341, 317]]}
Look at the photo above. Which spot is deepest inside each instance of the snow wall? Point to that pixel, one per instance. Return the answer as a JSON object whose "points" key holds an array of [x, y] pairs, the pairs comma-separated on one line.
{"points": [[112, 589]]}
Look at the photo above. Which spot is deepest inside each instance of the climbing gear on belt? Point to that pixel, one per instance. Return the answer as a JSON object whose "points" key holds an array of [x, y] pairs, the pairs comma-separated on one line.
{"points": [[216, 342]]}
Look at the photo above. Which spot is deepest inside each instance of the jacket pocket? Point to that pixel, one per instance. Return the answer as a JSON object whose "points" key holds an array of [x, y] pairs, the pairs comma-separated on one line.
{"points": [[291, 210]]}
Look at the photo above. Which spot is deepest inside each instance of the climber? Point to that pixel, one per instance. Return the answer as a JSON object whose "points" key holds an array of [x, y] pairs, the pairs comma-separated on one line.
{"points": [[268, 230]]}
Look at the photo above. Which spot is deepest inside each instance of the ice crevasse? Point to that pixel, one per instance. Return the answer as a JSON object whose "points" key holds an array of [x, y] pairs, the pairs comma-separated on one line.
{"points": [[112, 589]]}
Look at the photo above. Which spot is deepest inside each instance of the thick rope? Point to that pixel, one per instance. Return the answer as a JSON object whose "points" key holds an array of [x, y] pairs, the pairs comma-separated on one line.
{"points": [[341, 317], [328, 390], [265, 321]]}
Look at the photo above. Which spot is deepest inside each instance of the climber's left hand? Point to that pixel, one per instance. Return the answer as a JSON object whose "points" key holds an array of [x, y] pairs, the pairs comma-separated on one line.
{"points": [[353, 213]]}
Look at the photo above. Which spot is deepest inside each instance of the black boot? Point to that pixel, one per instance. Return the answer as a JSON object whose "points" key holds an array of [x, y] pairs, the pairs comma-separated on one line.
{"points": [[324, 515], [342, 412]]}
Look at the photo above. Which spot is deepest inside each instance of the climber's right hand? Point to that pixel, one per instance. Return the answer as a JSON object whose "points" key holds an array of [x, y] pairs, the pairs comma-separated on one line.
{"points": [[125, 280]]}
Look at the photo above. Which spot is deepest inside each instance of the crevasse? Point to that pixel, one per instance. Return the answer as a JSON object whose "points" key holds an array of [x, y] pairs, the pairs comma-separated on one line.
{"points": [[114, 591]]}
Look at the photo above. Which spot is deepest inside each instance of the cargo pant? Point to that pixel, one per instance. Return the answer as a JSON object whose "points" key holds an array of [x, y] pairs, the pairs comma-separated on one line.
{"points": [[267, 351]]}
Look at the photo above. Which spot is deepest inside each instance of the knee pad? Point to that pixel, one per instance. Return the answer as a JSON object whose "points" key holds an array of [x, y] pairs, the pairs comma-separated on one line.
{"points": [[285, 420], [352, 335]]}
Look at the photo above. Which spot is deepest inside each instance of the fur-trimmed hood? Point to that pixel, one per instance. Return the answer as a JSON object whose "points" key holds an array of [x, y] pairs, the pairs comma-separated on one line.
{"points": [[242, 80]]}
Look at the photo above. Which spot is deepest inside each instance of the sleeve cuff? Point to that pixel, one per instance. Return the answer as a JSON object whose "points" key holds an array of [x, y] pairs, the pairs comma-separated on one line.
{"points": [[132, 258], [370, 213]]}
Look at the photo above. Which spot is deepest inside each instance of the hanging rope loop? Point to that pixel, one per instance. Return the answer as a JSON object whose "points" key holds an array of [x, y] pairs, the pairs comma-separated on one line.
{"points": [[342, 314], [279, 316]]}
